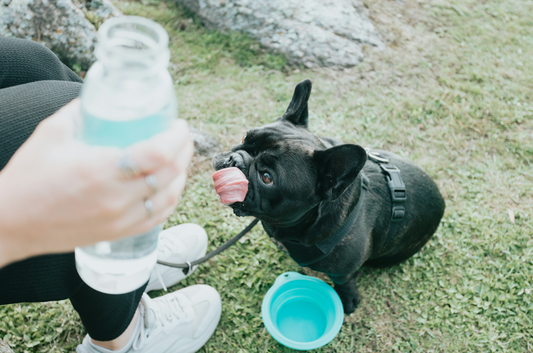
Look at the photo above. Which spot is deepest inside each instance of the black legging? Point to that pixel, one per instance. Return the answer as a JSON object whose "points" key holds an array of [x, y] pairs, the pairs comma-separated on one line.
{"points": [[34, 84]]}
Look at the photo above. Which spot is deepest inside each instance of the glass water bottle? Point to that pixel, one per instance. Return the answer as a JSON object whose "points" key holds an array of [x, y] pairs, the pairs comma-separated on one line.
{"points": [[127, 96]]}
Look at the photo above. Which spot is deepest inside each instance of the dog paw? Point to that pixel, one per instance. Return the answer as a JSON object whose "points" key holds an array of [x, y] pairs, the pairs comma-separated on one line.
{"points": [[349, 295], [350, 302]]}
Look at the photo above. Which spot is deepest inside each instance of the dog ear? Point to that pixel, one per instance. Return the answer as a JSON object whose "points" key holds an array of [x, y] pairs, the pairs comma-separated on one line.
{"points": [[297, 112], [337, 167]]}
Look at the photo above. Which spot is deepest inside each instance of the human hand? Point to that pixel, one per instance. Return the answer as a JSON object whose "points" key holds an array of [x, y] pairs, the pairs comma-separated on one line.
{"points": [[57, 193]]}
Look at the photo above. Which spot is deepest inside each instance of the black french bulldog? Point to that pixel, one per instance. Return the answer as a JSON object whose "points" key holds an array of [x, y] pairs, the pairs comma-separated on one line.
{"points": [[330, 205]]}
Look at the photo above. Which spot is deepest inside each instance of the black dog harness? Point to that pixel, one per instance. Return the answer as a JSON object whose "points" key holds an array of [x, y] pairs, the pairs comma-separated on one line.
{"points": [[307, 255]]}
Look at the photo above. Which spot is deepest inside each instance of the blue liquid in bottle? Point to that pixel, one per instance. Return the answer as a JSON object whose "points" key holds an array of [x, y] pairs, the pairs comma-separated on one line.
{"points": [[103, 132]]}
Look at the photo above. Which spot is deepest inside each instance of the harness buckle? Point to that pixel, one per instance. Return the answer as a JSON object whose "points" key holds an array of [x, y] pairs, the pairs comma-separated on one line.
{"points": [[396, 185], [397, 213], [397, 191]]}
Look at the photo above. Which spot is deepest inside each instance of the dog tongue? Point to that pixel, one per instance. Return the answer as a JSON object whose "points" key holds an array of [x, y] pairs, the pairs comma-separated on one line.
{"points": [[231, 185]]}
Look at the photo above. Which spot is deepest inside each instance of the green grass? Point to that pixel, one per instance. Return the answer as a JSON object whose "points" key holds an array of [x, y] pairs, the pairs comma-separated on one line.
{"points": [[452, 92]]}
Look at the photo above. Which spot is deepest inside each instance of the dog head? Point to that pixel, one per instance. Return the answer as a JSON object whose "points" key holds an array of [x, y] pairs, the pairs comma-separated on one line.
{"points": [[289, 169]]}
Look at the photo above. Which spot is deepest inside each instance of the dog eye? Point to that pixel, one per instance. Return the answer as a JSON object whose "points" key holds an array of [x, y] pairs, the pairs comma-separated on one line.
{"points": [[267, 179]]}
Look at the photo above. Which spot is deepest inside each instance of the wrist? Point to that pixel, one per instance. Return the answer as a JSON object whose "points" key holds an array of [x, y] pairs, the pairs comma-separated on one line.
{"points": [[8, 250], [11, 248]]}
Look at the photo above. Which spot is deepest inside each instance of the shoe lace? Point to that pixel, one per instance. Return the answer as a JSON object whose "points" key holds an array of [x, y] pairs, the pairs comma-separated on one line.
{"points": [[167, 245], [139, 340], [160, 279], [166, 311]]}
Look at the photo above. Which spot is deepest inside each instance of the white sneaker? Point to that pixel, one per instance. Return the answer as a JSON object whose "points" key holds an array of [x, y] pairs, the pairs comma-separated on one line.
{"points": [[179, 244], [178, 322]]}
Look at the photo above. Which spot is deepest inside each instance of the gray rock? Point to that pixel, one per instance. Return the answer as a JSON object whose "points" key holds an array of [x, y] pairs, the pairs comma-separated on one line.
{"points": [[4, 347], [311, 32], [103, 9], [62, 25], [204, 144]]}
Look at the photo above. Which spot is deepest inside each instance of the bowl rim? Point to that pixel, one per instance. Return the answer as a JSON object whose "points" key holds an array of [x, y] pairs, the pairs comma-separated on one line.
{"points": [[327, 337]]}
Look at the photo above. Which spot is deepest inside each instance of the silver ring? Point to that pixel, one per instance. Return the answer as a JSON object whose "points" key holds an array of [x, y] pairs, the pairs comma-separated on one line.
{"points": [[151, 180], [149, 207], [127, 165]]}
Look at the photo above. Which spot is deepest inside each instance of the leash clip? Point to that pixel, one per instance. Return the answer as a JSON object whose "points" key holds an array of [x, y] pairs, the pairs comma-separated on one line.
{"points": [[188, 269], [374, 156]]}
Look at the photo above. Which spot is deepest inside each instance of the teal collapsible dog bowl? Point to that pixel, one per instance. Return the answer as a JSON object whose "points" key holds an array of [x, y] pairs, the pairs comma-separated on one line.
{"points": [[302, 312]]}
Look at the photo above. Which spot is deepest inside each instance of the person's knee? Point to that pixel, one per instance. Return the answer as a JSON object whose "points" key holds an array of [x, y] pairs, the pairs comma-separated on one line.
{"points": [[23, 61]]}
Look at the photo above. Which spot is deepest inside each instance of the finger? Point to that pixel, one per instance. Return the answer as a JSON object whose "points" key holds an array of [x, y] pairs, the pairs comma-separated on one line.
{"points": [[138, 187], [170, 197], [126, 193], [162, 149], [137, 218]]}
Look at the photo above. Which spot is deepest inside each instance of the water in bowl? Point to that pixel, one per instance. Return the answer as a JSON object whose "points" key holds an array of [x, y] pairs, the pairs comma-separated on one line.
{"points": [[301, 319]]}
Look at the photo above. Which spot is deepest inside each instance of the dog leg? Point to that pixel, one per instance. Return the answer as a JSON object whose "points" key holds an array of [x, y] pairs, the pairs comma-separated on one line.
{"points": [[347, 291]]}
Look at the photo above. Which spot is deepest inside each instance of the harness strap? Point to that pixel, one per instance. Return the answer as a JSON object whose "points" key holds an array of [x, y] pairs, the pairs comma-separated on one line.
{"points": [[397, 190], [395, 183], [307, 255]]}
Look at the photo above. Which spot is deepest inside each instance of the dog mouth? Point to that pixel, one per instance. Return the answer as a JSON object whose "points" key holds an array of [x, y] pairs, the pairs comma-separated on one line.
{"points": [[231, 181], [238, 209], [231, 185]]}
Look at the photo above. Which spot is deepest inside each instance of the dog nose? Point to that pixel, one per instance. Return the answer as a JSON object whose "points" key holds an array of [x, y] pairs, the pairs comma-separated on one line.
{"points": [[238, 159], [234, 160]]}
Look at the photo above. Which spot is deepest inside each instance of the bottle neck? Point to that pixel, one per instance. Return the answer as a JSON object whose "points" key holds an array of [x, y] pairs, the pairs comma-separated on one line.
{"points": [[132, 46]]}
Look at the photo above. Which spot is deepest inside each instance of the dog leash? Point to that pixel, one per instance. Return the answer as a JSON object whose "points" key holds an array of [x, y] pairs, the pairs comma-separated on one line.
{"points": [[187, 266]]}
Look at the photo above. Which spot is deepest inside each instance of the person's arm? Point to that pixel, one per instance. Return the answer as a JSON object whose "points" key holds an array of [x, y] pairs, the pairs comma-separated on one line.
{"points": [[57, 193]]}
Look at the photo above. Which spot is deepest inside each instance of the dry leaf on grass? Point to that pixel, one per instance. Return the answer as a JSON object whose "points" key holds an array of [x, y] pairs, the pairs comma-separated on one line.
{"points": [[510, 212]]}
